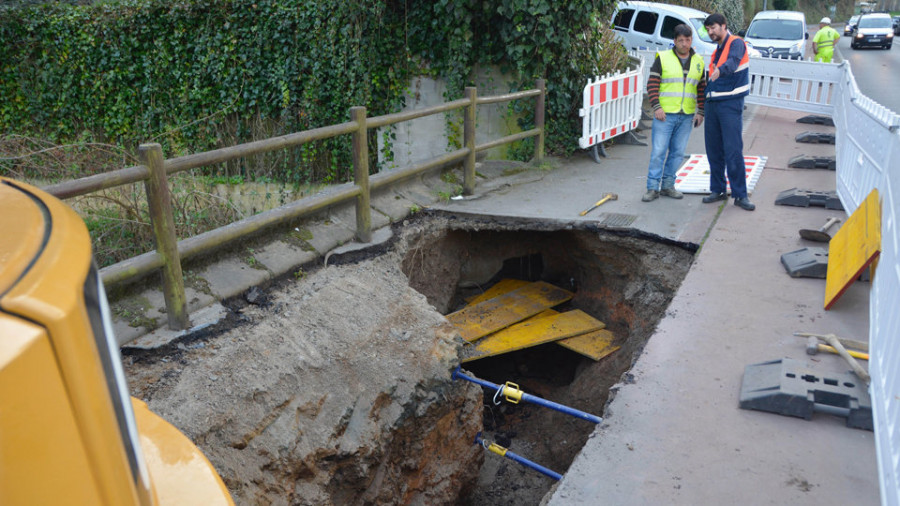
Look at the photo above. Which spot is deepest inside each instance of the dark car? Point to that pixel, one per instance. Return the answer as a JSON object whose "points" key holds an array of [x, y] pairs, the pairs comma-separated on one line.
{"points": [[896, 22], [873, 30], [851, 24]]}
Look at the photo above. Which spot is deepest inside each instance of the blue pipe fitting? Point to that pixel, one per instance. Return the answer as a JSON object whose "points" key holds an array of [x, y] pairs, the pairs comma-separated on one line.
{"points": [[513, 394], [499, 450]]}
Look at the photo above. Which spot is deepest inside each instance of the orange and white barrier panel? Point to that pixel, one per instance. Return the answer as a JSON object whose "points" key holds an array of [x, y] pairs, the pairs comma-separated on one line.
{"points": [[612, 106]]}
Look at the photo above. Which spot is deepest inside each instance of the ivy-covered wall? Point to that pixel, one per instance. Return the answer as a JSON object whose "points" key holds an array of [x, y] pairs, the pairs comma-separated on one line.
{"points": [[200, 74]]}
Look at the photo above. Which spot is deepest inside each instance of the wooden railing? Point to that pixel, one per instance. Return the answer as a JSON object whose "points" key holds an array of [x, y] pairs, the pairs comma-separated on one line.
{"points": [[155, 169]]}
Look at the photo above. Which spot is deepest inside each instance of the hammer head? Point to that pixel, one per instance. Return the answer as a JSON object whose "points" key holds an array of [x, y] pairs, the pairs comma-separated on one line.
{"points": [[612, 196], [812, 345], [815, 235]]}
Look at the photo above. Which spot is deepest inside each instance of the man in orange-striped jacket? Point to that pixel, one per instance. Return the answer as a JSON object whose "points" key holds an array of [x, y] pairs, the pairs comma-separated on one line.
{"points": [[728, 82]]}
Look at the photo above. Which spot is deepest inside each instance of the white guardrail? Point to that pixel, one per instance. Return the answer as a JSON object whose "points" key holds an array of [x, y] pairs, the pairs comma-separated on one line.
{"points": [[867, 147]]}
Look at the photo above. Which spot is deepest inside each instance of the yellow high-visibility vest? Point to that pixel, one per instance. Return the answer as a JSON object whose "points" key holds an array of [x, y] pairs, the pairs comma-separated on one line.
{"points": [[677, 92]]}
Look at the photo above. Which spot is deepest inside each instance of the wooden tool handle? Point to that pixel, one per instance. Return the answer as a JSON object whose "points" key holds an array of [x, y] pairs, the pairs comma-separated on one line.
{"points": [[848, 343], [858, 369]]}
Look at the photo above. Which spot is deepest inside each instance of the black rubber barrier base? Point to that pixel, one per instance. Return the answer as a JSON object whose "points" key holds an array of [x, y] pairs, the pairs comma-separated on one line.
{"points": [[812, 162], [806, 263], [790, 387], [816, 120], [806, 198], [815, 138]]}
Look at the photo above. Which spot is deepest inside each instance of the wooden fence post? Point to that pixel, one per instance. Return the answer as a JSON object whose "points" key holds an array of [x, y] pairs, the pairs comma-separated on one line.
{"points": [[469, 141], [361, 175], [539, 109], [160, 203]]}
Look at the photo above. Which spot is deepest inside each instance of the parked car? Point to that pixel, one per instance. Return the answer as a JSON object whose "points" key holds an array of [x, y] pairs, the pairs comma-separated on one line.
{"points": [[896, 22], [69, 431], [778, 34], [873, 30], [851, 24], [650, 25]]}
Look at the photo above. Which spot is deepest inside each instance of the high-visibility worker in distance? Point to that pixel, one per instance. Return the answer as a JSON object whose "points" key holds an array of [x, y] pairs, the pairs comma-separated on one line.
{"points": [[824, 41]]}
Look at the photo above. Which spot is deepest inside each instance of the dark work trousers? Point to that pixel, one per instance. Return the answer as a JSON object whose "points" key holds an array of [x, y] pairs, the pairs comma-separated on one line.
{"points": [[725, 145]]}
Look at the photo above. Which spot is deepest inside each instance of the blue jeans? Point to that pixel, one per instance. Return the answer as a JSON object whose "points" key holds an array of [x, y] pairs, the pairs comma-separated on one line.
{"points": [[668, 140], [725, 145]]}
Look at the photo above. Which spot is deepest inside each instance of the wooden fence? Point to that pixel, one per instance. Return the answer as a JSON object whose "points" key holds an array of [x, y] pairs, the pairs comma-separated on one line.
{"points": [[155, 169]]}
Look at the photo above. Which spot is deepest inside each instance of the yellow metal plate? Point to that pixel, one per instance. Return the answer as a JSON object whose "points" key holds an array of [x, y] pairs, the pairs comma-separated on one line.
{"points": [[501, 287], [479, 320], [595, 345], [533, 332], [853, 248]]}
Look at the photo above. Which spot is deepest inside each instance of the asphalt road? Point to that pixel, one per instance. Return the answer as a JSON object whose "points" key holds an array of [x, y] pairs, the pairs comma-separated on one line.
{"points": [[876, 72]]}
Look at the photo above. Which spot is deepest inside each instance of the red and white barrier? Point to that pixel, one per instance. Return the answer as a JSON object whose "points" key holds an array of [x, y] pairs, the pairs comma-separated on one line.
{"points": [[612, 106]]}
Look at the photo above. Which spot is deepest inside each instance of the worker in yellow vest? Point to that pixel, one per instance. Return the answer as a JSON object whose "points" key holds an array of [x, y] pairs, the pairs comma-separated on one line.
{"points": [[824, 41], [675, 90]]}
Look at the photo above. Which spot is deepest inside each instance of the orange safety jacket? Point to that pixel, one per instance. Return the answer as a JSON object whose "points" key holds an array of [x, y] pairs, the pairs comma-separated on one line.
{"points": [[729, 85]]}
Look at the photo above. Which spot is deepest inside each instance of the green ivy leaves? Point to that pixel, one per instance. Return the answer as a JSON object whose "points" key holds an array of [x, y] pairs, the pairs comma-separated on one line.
{"points": [[196, 75]]}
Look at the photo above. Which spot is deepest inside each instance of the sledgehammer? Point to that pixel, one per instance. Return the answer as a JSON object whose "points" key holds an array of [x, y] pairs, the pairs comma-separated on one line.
{"points": [[608, 196], [819, 235], [813, 346]]}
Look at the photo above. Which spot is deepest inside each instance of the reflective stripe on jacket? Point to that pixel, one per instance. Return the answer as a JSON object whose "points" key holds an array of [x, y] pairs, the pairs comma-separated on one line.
{"points": [[677, 89], [733, 84], [825, 38]]}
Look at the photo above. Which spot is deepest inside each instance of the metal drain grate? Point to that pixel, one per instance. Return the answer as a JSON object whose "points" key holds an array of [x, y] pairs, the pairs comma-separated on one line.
{"points": [[616, 220]]}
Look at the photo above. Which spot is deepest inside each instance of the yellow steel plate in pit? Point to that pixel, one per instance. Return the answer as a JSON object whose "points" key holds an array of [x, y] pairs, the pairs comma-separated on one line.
{"points": [[595, 345], [479, 320], [533, 332], [503, 286], [853, 248]]}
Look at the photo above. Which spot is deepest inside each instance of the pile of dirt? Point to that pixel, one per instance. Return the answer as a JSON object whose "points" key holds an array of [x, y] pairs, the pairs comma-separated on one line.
{"points": [[336, 391]]}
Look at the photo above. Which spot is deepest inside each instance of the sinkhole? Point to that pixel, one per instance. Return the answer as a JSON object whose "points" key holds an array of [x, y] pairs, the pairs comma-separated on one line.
{"points": [[334, 387], [623, 278]]}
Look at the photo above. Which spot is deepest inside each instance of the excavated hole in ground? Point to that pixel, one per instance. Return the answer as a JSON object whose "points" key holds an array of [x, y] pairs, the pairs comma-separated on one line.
{"points": [[625, 280], [336, 388]]}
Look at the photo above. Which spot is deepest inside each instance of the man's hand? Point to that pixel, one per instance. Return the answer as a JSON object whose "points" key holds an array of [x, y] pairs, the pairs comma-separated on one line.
{"points": [[714, 74], [659, 114], [698, 120]]}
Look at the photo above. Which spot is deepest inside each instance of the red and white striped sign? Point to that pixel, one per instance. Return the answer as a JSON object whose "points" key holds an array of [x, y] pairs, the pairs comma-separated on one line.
{"points": [[693, 176]]}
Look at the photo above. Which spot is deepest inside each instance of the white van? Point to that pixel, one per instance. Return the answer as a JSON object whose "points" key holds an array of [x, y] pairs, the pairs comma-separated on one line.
{"points": [[651, 26], [778, 34]]}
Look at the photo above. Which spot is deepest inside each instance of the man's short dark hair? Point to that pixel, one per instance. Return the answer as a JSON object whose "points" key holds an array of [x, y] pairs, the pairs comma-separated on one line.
{"points": [[715, 19], [682, 30]]}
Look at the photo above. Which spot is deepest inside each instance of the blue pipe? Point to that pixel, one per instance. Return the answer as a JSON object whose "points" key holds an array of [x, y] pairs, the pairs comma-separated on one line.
{"points": [[507, 391], [499, 450]]}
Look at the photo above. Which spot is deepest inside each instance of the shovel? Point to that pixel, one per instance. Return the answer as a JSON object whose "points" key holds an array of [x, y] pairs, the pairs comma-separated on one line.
{"points": [[819, 235]]}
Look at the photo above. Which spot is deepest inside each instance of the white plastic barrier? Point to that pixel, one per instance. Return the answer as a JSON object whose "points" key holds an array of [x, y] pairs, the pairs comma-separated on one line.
{"points": [[797, 85], [867, 144], [611, 105]]}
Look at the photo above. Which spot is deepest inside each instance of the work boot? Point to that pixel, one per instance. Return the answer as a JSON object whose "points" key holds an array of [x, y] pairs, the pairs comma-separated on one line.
{"points": [[714, 197], [744, 203], [671, 193], [651, 195]]}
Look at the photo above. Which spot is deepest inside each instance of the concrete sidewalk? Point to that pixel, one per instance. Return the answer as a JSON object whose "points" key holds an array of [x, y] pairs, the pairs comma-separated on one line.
{"points": [[675, 434]]}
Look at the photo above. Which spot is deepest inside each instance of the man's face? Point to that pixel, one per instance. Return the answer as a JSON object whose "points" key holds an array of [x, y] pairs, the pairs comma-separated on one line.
{"points": [[683, 45], [717, 32]]}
